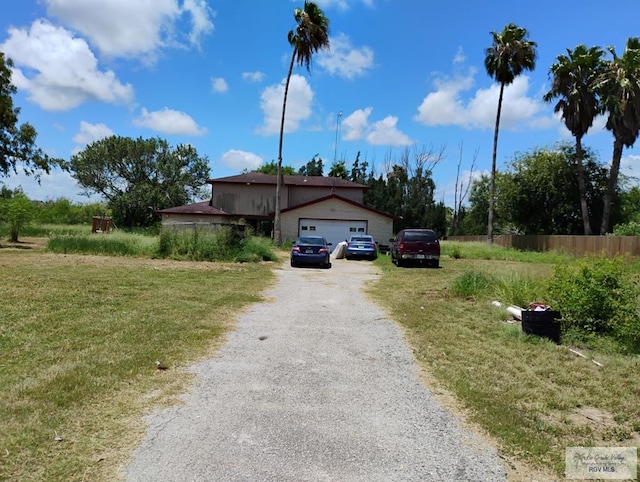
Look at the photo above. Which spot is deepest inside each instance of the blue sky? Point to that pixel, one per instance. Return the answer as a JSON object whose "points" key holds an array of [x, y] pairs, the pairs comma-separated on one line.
{"points": [[401, 77]]}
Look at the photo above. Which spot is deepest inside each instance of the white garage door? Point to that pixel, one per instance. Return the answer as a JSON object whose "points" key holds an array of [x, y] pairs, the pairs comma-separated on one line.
{"points": [[335, 231]]}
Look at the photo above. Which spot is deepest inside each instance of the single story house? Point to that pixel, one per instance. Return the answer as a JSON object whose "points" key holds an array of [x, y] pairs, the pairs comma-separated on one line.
{"points": [[327, 206]]}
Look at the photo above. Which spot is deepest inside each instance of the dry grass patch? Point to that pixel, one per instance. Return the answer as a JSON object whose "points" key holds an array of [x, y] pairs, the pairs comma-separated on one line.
{"points": [[79, 337]]}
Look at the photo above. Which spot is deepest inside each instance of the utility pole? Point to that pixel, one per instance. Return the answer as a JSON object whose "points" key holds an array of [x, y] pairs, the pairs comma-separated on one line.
{"points": [[335, 152]]}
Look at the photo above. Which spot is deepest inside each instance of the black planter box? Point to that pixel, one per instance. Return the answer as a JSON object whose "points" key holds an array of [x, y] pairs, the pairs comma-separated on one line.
{"points": [[542, 323]]}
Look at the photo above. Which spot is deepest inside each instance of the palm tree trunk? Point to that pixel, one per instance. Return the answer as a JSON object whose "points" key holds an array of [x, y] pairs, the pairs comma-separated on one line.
{"points": [[611, 186], [582, 187], [277, 230], [492, 191]]}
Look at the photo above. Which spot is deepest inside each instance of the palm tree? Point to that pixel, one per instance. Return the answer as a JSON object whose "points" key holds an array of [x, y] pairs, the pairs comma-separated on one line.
{"points": [[574, 79], [310, 35], [619, 89], [509, 55]]}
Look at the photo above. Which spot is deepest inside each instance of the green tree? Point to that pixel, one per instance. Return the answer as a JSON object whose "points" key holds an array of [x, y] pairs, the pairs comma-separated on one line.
{"points": [[359, 170], [272, 168], [138, 176], [17, 212], [17, 142], [538, 193], [475, 218], [314, 167], [574, 78], [339, 169], [510, 54], [619, 89], [310, 35]]}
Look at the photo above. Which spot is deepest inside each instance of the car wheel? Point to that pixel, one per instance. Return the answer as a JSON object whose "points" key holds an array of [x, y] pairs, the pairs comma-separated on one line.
{"points": [[399, 263], [293, 265]]}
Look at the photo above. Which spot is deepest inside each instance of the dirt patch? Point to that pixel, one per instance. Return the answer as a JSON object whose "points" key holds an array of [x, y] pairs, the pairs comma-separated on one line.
{"points": [[591, 416]]}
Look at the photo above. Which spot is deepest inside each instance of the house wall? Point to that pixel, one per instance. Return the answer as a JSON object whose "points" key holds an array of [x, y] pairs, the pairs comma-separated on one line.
{"points": [[260, 199], [378, 226], [302, 194], [246, 200]]}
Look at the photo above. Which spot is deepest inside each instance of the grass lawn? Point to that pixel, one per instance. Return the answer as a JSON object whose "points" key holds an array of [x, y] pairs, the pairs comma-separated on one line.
{"points": [[534, 397], [79, 337]]}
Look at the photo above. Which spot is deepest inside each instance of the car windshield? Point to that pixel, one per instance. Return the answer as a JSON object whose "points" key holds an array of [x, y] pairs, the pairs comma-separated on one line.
{"points": [[421, 236], [361, 239], [310, 240]]}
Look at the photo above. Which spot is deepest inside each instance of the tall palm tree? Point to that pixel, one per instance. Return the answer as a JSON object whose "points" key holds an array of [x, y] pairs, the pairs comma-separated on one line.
{"points": [[619, 89], [310, 35], [509, 55], [574, 80]]}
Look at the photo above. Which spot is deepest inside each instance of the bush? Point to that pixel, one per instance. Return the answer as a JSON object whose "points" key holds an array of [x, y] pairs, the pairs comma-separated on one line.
{"points": [[628, 229], [471, 284], [597, 297], [225, 244]]}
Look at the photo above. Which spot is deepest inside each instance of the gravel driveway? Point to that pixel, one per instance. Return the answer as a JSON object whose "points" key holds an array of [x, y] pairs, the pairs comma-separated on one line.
{"points": [[331, 394]]}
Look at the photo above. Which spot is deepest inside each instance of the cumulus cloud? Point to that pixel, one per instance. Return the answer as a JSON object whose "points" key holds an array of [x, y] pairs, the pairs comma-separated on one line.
{"points": [[356, 126], [253, 76], [169, 121], [219, 85], [90, 133], [241, 160], [129, 28], [344, 60], [60, 71], [447, 105], [299, 100]]}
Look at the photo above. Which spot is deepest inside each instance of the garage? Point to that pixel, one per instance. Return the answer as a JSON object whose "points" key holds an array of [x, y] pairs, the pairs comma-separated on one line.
{"points": [[332, 229]]}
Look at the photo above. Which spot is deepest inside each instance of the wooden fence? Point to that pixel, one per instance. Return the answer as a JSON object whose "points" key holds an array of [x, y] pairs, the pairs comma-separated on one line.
{"points": [[608, 246]]}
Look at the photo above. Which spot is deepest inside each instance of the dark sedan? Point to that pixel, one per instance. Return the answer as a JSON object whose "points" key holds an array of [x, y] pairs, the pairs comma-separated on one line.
{"points": [[361, 246], [311, 250]]}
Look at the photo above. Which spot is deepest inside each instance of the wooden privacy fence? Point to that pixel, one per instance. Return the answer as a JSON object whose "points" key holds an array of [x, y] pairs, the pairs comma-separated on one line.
{"points": [[608, 246]]}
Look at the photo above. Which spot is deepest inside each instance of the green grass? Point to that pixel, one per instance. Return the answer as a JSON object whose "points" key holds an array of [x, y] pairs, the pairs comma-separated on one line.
{"points": [[78, 340], [114, 244], [459, 250], [525, 391]]}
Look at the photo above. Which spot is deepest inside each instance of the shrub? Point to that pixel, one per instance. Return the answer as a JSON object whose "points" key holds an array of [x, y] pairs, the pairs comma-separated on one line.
{"points": [[225, 244], [597, 297], [628, 229], [471, 284]]}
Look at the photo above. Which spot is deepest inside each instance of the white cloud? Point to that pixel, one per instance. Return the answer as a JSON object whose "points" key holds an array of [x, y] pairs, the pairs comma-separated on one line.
{"points": [[630, 166], [344, 60], [219, 85], [90, 133], [241, 160], [132, 27], [201, 23], [169, 121], [342, 4], [356, 126], [299, 100], [66, 71], [460, 56], [447, 105], [253, 76]]}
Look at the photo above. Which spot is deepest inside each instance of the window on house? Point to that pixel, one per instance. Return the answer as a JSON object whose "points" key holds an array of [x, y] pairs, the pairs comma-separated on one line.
{"points": [[304, 228], [361, 230], [312, 228]]}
